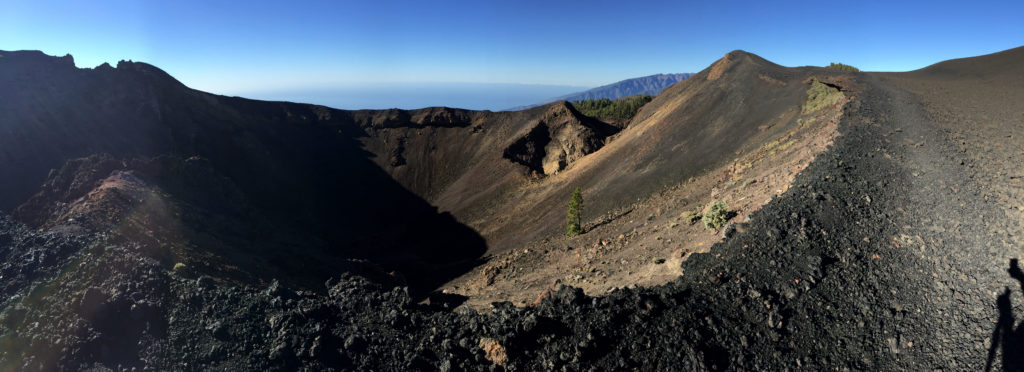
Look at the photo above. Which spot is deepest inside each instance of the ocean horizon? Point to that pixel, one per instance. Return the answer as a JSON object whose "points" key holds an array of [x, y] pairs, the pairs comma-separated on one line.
{"points": [[473, 96]]}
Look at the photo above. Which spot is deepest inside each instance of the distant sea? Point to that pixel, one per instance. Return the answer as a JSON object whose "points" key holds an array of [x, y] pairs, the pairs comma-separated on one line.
{"points": [[475, 96]]}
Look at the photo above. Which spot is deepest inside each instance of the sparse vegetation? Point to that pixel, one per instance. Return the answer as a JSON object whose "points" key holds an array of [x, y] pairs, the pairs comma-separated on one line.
{"points": [[716, 216], [574, 219], [622, 108], [841, 67], [748, 182], [819, 96], [691, 217]]}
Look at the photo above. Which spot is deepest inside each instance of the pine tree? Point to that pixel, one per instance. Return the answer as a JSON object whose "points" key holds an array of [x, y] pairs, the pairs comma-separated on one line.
{"points": [[574, 220]]}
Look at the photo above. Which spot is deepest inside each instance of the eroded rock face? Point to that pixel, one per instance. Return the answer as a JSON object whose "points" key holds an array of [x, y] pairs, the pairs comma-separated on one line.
{"points": [[571, 142], [441, 117], [529, 150], [427, 117], [390, 118], [559, 138]]}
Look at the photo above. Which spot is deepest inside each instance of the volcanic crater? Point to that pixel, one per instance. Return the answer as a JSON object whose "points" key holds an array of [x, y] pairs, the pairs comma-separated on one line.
{"points": [[875, 223]]}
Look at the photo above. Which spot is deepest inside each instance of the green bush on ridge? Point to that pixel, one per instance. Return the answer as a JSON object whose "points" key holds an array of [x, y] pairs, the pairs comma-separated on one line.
{"points": [[622, 108], [841, 67]]}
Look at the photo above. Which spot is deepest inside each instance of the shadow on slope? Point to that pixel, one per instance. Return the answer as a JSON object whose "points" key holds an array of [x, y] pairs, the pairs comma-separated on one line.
{"points": [[297, 168], [1005, 337]]}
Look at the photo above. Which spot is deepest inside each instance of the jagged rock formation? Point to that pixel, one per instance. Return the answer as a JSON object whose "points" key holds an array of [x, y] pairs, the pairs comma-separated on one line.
{"points": [[560, 137]]}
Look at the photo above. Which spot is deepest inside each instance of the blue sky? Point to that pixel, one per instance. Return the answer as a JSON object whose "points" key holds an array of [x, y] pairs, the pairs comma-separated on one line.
{"points": [[236, 47]]}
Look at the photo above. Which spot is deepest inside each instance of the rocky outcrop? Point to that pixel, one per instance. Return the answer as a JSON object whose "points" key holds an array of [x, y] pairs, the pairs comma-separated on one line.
{"points": [[76, 178], [441, 117], [529, 150], [560, 137], [445, 117], [82, 187]]}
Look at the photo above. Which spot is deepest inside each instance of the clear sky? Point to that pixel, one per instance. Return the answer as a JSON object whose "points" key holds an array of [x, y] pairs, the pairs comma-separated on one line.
{"points": [[238, 47]]}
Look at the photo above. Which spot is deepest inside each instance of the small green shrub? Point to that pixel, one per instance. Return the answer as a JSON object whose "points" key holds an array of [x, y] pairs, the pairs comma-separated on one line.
{"points": [[820, 96], [841, 67], [716, 215], [179, 267]]}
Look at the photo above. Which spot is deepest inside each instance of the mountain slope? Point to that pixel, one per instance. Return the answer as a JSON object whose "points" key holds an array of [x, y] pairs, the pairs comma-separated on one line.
{"points": [[651, 85]]}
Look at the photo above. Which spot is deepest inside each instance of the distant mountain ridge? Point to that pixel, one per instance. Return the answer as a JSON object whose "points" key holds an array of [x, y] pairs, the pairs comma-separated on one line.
{"points": [[651, 85]]}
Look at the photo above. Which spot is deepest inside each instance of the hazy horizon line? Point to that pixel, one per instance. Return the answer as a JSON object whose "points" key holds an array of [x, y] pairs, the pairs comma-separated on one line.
{"points": [[472, 96]]}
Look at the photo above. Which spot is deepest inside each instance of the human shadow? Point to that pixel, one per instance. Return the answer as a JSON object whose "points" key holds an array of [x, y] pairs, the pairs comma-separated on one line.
{"points": [[1005, 336]]}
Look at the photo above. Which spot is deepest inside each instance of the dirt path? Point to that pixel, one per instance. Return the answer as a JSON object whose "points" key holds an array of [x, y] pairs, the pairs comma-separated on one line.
{"points": [[953, 229], [968, 203]]}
